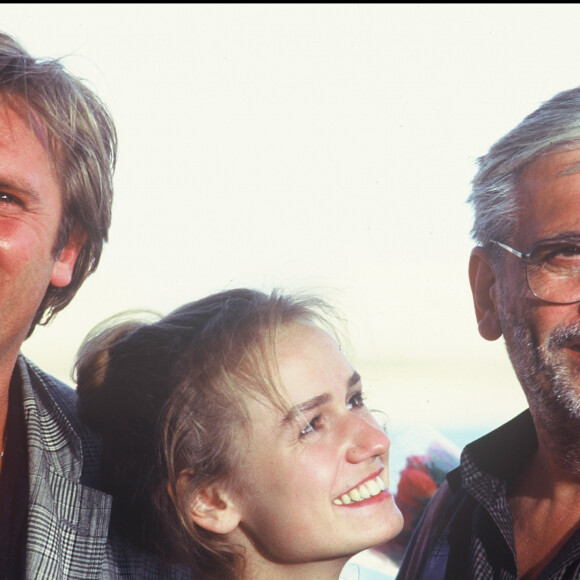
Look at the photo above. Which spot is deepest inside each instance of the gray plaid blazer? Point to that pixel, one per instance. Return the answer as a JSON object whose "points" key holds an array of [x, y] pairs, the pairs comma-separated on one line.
{"points": [[68, 517]]}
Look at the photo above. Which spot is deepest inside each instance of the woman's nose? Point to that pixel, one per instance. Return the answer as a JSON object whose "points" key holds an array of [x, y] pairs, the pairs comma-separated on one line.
{"points": [[366, 439]]}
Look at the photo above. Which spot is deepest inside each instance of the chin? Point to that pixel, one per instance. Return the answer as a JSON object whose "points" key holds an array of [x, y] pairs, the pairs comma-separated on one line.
{"points": [[384, 530]]}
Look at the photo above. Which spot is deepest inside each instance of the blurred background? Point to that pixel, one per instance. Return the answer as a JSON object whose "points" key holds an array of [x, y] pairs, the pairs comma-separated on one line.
{"points": [[324, 147]]}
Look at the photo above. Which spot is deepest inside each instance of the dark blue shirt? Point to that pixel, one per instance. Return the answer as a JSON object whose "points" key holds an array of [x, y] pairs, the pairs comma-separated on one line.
{"points": [[466, 531]]}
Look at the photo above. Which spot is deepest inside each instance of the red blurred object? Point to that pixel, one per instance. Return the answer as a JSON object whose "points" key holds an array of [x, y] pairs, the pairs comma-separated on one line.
{"points": [[416, 487], [419, 480]]}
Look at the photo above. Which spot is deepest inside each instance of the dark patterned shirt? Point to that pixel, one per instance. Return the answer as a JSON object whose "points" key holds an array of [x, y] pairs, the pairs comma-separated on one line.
{"points": [[467, 531]]}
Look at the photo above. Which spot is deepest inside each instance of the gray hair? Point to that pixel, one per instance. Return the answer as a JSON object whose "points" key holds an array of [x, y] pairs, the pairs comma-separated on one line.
{"points": [[554, 126]]}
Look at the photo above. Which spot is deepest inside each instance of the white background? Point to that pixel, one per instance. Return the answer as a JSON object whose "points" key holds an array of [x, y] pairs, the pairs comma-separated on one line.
{"points": [[326, 147]]}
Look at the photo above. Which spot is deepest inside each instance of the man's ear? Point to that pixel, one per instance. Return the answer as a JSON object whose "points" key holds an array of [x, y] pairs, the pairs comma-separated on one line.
{"points": [[483, 280], [62, 270], [212, 508]]}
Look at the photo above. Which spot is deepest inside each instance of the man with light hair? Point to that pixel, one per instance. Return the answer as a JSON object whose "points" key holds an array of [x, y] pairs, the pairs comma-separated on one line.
{"points": [[57, 154], [512, 508]]}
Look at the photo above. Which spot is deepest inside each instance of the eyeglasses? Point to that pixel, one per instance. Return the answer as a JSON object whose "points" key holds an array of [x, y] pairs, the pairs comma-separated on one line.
{"points": [[552, 269]]}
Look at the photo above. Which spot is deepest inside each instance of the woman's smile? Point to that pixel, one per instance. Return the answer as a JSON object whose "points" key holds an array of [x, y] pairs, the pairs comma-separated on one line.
{"points": [[322, 465], [371, 488]]}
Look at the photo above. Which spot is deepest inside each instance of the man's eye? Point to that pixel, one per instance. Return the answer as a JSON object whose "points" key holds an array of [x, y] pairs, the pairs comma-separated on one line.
{"points": [[7, 199], [313, 425], [559, 255], [356, 401], [570, 252]]}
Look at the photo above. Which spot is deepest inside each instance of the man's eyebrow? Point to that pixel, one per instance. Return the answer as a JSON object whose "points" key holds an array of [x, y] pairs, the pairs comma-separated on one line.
{"points": [[19, 186], [315, 402], [563, 236]]}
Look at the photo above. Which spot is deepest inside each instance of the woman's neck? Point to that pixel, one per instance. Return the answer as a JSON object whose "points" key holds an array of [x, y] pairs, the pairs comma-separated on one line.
{"points": [[261, 569]]}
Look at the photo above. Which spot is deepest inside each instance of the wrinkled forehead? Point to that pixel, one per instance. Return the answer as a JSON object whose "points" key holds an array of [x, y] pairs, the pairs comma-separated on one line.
{"points": [[549, 197], [562, 158]]}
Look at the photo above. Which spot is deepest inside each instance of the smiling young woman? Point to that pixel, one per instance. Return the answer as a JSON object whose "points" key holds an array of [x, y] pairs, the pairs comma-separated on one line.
{"points": [[236, 438]]}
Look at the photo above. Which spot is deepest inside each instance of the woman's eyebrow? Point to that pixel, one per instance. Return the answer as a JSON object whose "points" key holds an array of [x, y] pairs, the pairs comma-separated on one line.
{"points": [[305, 407], [316, 402], [354, 379]]}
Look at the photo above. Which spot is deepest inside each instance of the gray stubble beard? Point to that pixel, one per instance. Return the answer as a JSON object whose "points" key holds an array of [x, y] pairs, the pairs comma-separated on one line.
{"points": [[551, 385]]}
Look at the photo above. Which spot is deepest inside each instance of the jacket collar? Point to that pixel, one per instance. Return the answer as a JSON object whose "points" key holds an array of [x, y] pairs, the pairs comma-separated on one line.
{"points": [[67, 521]]}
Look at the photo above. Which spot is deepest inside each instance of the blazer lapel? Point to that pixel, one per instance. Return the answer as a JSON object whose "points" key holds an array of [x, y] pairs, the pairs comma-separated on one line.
{"points": [[67, 521]]}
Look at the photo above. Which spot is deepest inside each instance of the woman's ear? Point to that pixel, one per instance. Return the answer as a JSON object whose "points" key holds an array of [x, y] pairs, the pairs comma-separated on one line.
{"points": [[483, 280], [212, 508]]}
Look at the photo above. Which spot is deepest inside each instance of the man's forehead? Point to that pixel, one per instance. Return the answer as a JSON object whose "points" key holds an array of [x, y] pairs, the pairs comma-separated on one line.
{"points": [[557, 161], [549, 197], [25, 113]]}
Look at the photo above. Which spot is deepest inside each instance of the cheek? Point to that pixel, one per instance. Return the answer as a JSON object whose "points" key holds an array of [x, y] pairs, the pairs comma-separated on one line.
{"points": [[22, 245], [315, 470], [13, 243], [304, 475], [518, 307], [544, 319], [514, 304]]}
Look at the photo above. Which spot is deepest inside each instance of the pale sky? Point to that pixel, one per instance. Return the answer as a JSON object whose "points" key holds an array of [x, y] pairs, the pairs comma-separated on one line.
{"points": [[327, 147]]}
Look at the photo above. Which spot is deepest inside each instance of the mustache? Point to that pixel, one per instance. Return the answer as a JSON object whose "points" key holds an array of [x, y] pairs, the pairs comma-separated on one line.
{"points": [[564, 336]]}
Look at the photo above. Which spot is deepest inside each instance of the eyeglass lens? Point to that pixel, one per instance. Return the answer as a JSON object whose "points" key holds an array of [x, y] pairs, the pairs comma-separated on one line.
{"points": [[553, 271]]}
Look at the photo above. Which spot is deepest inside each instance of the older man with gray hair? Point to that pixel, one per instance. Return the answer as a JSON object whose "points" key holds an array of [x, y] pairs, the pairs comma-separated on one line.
{"points": [[512, 508]]}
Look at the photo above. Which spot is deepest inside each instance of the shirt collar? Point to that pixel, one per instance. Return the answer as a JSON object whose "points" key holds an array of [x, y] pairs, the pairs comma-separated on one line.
{"points": [[498, 456]]}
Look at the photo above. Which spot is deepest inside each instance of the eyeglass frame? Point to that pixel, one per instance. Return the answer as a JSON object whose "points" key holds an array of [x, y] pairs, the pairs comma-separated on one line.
{"points": [[526, 256]]}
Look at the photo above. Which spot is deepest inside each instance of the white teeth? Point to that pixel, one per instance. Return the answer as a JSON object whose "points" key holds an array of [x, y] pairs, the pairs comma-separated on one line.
{"points": [[364, 491]]}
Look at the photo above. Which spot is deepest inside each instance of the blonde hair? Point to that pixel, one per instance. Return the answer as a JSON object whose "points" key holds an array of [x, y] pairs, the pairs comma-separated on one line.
{"points": [[82, 142], [171, 396]]}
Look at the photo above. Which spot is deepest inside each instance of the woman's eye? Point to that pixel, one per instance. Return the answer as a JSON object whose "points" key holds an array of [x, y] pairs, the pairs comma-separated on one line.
{"points": [[312, 426], [356, 401]]}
